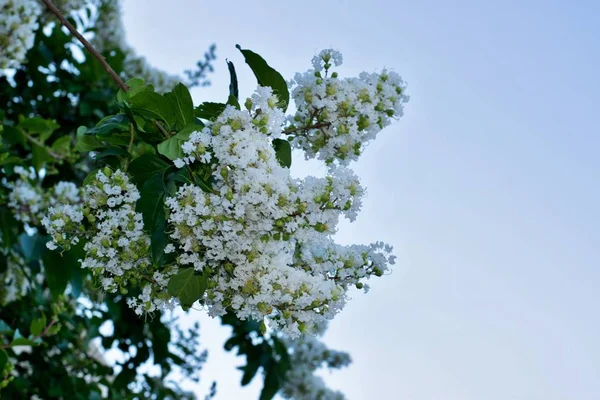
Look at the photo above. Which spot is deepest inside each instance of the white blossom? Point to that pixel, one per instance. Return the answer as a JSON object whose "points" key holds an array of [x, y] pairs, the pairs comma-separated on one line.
{"points": [[18, 23]]}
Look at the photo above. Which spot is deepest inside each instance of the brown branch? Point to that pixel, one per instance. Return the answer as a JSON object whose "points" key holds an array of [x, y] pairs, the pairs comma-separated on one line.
{"points": [[38, 143], [86, 44]]}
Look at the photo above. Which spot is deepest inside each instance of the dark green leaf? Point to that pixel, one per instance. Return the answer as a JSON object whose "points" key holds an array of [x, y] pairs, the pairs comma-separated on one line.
{"points": [[135, 85], [112, 151], [8, 225], [181, 100], [154, 106], [283, 152], [151, 201], [272, 383], [37, 326], [267, 76], [250, 369], [233, 84], [20, 340], [233, 101], [59, 268], [209, 111], [110, 125], [147, 165], [187, 286], [86, 142], [40, 126], [151, 205], [14, 135], [3, 360], [40, 156]]}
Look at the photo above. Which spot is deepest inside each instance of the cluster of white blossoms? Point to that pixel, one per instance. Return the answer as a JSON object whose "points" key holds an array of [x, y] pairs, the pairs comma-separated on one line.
{"points": [[337, 117], [30, 202], [261, 238], [18, 23], [116, 247], [307, 355], [15, 279]]}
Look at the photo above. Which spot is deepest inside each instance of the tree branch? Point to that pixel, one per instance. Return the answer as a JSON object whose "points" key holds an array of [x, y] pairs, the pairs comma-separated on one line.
{"points": [[86, 44]]}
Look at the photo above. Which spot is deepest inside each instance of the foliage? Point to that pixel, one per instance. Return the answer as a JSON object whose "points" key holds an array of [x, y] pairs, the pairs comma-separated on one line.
{"points": [[118, 206]]}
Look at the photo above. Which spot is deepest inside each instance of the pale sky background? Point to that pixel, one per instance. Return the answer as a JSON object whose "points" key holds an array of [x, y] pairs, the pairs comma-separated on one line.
{"points": [[488, 187]]}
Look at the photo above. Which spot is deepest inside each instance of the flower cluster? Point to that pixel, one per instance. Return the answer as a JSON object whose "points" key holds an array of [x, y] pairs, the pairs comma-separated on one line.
{"points": [[337, 117], [30, 202], [307, 355], [261, 238], [116, 247], [18, 22], [15, 279]]}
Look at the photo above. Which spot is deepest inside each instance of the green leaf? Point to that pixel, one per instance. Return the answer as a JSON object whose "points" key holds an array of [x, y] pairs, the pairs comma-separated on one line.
{"points": [[267, 76], [110, 125], [86, 142], [14, 135], [233, 85], [135, 85], [152, 206], [181, 100], [90, 177], [36, 125], [3, 361], [151, 201], [250, 369], [53, 330], [187, 286], [209, 111], [40, 156], [154, 106], [37, 326], [32, 246], [233, 101], [58, 269], [147, 165], [272, 382], [8, 225], [62, 143], [204, 183], [171, 148], [20, 340], [283, 152], [112, 151]]}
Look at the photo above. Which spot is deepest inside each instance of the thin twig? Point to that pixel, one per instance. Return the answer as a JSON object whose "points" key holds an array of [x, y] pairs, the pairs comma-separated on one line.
{"points": [[306, 128], [86, 44], [38, 143]]}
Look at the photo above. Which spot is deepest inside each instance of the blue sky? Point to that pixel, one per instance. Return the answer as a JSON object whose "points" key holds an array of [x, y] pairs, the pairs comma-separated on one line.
{"points": [[487, 187]]}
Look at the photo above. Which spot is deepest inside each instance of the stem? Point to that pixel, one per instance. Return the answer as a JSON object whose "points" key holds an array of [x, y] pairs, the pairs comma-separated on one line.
{"points": [[86, 44], [38, 143], [161, 128], [305, 128], [130, 148], [44, 332]]}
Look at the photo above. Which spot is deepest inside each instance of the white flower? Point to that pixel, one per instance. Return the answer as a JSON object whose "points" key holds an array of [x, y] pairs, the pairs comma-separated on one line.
{"points": [[18, 23]]}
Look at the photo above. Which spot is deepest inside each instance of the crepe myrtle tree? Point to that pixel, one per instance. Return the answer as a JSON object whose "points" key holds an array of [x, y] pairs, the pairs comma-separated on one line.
{"points": [[123, 204]]}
